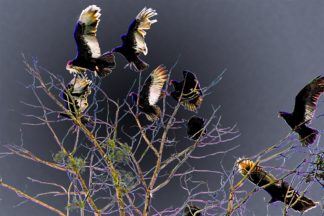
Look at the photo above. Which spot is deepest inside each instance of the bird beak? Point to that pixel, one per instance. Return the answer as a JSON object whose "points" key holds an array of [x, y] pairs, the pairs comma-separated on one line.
{"points": [[164, 94]]}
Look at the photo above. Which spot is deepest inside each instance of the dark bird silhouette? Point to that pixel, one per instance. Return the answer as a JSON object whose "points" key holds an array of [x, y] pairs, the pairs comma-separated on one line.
{"points": [[195, 127], [278, 189], [191, 210], [75, 96], [305, 107], [151, 93], [89, 54], [188, 91], [134, 40]]}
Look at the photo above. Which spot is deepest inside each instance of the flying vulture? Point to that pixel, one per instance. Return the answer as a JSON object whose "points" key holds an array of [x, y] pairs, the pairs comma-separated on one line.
{"points": [[278, 189], [134, 40], [89, 56], [188, 91], [195, 127], [151, 93], [192, 211], [305, 106], [75, 96]]}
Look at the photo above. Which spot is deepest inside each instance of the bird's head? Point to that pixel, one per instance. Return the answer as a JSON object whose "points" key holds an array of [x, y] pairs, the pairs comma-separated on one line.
{"points": [[173, 82], [69, 65], [73, 68], [133, 96], [244, 165], [283, 115], [164, 94]]}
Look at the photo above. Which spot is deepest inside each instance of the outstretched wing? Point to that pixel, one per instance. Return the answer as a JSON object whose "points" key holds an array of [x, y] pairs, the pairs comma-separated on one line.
{"points": [[85, 32], [137, 29], [306, 100], [192, 96], [191, 80], [153, 85], [278, 189], [80, 87]]}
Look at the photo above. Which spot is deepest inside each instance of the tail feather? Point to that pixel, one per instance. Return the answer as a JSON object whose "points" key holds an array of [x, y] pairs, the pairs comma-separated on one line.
{"points": [[106, 64], [109, 59], [155, 115], [137, 65], [307, 135]]}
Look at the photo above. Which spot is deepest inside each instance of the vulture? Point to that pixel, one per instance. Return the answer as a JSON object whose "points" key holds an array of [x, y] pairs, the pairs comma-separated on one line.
{"points": [[75, 96], [188, 91], [305, 107], [278, 189], [150, 93], [191, 210], [195, 127], [133, 42], [89, 56]]}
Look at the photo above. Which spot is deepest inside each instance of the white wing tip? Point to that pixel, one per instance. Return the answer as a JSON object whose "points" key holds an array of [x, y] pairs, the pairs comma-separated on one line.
{"points": [[90, 12], [92, 8], [146, 12]]}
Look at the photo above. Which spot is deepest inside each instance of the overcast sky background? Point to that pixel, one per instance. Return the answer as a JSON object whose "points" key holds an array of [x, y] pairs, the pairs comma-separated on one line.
{"points": [[270, 49]]}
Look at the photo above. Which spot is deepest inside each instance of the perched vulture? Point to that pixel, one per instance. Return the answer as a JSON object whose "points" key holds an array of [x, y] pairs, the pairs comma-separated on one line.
{"points": [[75, 96], [134, 40], [195, 127], [89, 55], [151, 93], [188, 91], [305, 106], [278, 189], [192, 211]]}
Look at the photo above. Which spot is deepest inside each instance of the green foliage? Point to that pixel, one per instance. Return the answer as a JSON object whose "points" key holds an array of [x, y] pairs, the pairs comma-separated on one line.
{"points": [[127, 178], [75, 204], [59, 157], [320, 166], [79, 163], [118, 154], [111, 144], [320, 162], [318, 170]]}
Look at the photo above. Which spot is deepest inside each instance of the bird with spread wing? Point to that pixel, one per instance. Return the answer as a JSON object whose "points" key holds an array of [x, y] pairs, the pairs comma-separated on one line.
{"points": [[278, 189], [305, 107], [150, 93], [89, 56], [133, 42], [188, 91], [75, 96]]}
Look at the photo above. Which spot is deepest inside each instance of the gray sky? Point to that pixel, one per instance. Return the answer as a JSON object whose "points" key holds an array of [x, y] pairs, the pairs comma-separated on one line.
{"points": [[271, 49]]}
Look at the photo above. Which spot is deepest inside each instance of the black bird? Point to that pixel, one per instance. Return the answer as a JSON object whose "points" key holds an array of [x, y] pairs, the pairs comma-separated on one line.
{"points": [[195, 127], [89, 54], [192, 211], [134, 40], [305, 107], [188, 91], [75, 96], [151, 93], [278, 189]]}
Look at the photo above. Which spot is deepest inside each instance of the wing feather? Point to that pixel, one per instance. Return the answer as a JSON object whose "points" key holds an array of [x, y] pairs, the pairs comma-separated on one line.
{"points": [[85, 32], [307, 98], [153, 85], [143, 22]]}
